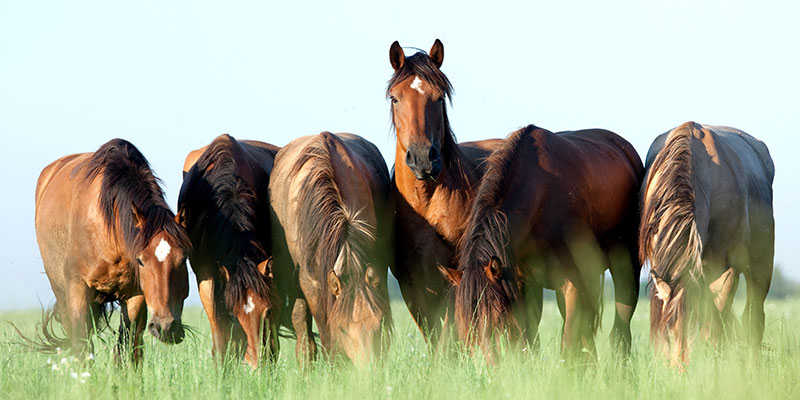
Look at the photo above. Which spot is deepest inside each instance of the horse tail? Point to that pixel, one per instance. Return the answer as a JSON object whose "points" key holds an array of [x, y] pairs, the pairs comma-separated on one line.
{"points": [[668, 235], [46, 340]]}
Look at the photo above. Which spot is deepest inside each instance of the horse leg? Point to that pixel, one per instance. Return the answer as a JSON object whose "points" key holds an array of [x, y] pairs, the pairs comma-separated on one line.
{"points": [[577, 340], [81, 317], [133, 319], [305, 349], [534, 298], [215, 310], [625, 269], [758, 281]]}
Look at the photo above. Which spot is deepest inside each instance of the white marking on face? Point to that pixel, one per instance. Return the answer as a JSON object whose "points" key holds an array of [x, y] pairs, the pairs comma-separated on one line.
{"points": [[162, 251], [417, 85], [248, 308]]}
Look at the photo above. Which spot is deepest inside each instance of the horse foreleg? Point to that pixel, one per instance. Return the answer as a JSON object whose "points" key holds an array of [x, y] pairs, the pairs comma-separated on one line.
{"points": [[305, 349], [133, 320], [217, 317], [624, 267], [534, 298], [758, 282], [82, 316], [577, 340]]}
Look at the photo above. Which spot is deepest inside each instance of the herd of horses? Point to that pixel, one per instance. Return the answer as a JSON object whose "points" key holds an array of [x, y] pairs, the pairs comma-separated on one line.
{"points": [[473, 232]]}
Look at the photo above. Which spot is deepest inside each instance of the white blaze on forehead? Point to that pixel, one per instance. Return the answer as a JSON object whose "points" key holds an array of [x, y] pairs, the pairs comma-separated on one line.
{"points": [[417, 85], [248, 308], [162, 251]]}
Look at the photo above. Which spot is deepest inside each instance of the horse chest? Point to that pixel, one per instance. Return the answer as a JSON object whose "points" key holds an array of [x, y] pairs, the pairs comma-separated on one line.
{"points": [[115, 279]]}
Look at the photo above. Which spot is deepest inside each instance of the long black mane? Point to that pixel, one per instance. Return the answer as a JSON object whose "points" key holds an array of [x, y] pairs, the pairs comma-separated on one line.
{"points": [[129, 186], [227, 218], [421, 65]]}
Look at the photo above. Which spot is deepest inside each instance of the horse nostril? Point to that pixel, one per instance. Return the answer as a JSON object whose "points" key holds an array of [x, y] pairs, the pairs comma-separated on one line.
{"points": [[433, 154], [409, 159]]}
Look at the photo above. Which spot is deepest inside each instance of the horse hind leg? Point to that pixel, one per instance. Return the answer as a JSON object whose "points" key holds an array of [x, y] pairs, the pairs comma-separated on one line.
{"points": [[625, 269], [758, 282], [301, 321]]}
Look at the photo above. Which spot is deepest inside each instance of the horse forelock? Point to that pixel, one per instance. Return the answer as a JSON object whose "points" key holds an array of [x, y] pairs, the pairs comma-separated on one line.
{"points": [[128, 183], [333, 234], [668, 235]]}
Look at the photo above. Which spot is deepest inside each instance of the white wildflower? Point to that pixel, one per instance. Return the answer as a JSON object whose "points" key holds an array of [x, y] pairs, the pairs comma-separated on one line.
{"points": [[63, 360], [54, 367], [74, 375], [49, 360]]}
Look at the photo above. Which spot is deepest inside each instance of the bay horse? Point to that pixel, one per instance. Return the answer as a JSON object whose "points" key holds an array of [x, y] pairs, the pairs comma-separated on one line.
{"points": [[224, 206], [433, 184], [553, 210], [106, 234], [332, 234], [706, 219]]}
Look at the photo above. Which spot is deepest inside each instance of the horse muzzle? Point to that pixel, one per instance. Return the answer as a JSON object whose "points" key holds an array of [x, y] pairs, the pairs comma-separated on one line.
{"points": [[167, 330], [425, 162]]}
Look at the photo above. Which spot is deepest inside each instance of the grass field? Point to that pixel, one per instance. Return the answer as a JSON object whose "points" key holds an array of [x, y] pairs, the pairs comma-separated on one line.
{"points": [[186, 371]]}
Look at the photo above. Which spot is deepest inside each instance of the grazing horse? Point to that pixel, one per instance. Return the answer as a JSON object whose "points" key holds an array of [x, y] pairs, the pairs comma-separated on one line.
{"points": [[106, 234], [433, 184], [552, 211], [329, 194], [706, 218], [224, 205]]}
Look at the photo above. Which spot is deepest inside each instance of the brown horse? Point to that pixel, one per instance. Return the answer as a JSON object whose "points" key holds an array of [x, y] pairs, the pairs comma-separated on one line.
{"points": [[433, 183], [552, 211], [329, 193], [224, 205], [106, 234], [707, 217]]}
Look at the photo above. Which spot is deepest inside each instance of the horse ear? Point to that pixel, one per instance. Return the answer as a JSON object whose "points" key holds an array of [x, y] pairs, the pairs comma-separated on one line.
{"points": [[224, 272], [721, 288], [396, 55], [437, 53], [663, 291], [180, 217], [334, 284], [138, 221], [371, 276], [265, 267], [493, 270], [451, 275]]}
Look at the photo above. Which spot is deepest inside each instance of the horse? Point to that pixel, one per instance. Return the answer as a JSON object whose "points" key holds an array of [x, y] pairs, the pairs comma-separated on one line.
{"points": [[224, 206], [553, 210], [706, 219], [433, 184], [106, 235], [332, 234]]}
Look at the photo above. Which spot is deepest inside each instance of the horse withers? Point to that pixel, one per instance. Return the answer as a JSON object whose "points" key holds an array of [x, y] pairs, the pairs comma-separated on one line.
{"points": [[433, 184], [106, 234], [553, 210], [224, 205], [332, 234], [706, 219]]}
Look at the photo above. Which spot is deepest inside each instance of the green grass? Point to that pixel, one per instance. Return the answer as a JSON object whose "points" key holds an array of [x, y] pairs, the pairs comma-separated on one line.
{"points": [[186, 371]]}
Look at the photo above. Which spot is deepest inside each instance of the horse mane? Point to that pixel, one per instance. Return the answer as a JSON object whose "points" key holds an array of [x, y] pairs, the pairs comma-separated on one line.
{"points": [[486, 237], [334, 236], [128, 183], [668, 235], [235, 227], [420, 64]]}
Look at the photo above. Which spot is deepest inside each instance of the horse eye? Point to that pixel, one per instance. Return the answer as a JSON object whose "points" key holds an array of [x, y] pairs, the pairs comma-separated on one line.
{"points": [[139, 260], [394, 100]]}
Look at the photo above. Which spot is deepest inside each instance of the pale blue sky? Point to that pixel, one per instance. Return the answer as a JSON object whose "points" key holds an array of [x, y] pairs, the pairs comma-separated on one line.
{"points": [[170, 76]]}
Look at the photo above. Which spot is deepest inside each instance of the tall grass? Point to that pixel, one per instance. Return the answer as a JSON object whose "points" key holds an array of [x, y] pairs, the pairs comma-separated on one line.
{"points": [[187, 371]]}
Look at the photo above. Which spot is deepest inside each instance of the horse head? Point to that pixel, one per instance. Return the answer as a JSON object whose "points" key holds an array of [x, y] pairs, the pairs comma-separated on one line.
{"points": [[417, 92]]}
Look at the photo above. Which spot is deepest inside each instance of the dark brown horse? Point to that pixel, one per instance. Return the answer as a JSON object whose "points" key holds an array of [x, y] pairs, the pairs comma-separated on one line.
{"points": [[106, 234], [552, 211], [707, 217], [433, 183], [224, 205], [329, 193]]}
